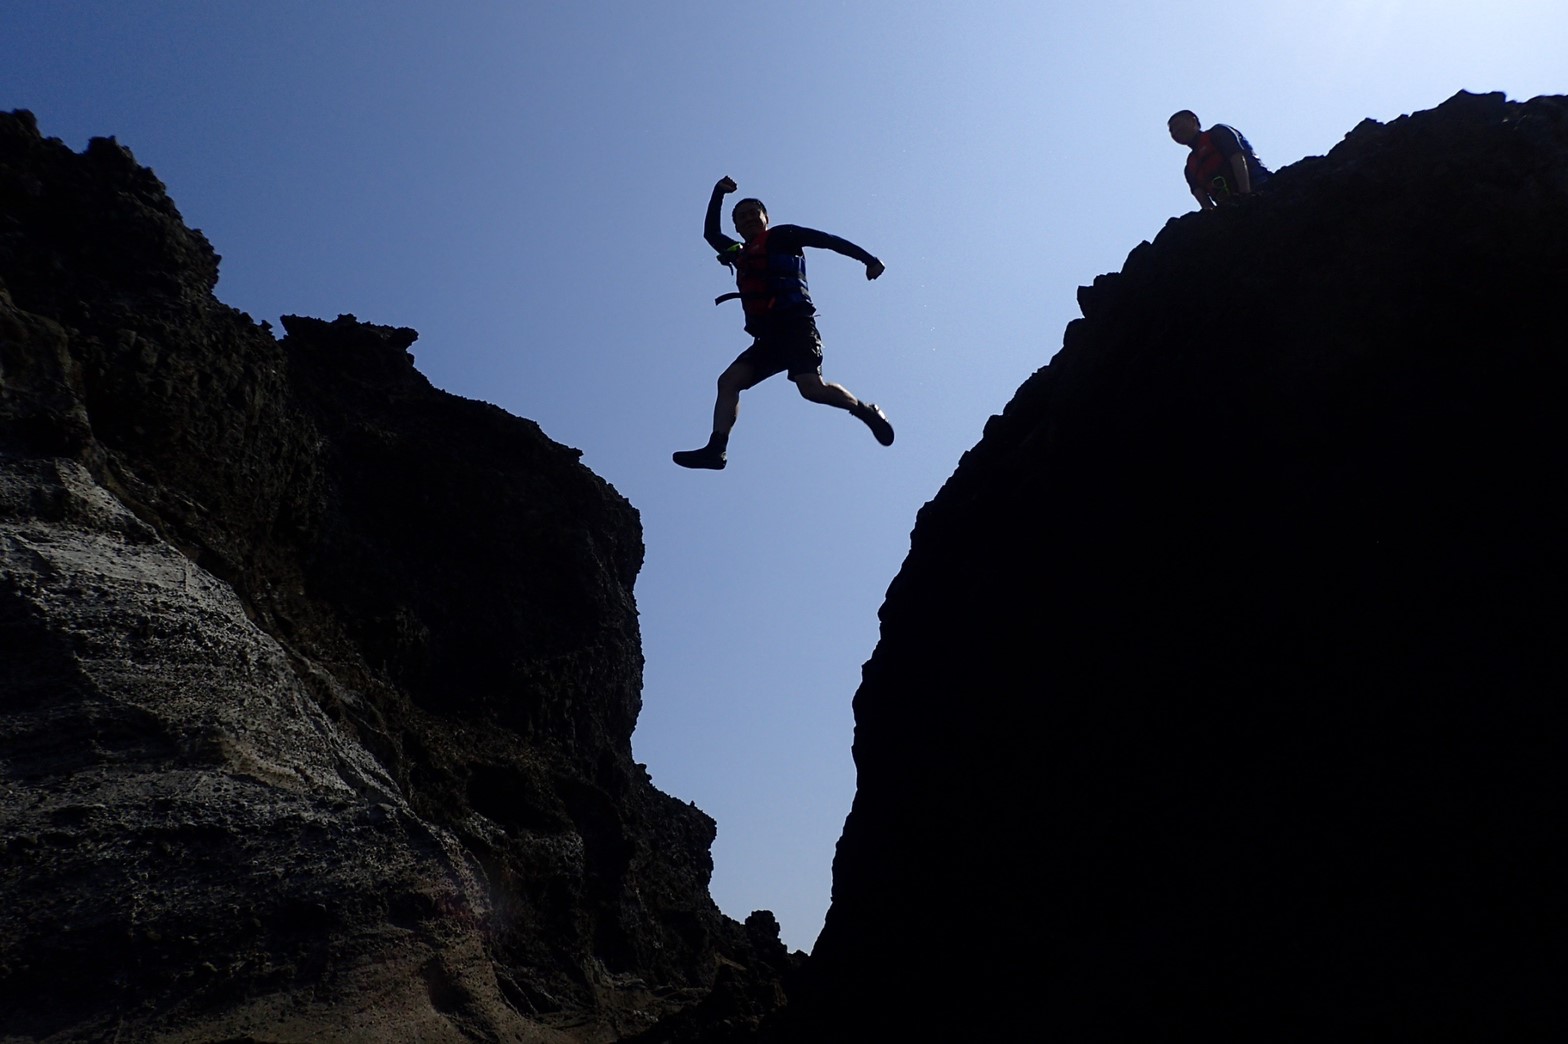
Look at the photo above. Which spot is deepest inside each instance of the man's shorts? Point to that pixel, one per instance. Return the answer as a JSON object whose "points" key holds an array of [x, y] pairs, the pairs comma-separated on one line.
{"points": [[791, 344]]}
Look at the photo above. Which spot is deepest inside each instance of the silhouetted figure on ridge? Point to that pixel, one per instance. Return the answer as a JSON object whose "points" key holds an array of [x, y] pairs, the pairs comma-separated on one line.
{"points": [[770, 272], [1222, 167]]}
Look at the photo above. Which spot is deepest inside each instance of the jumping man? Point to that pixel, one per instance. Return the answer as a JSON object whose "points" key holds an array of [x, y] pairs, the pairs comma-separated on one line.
{"points": [[770, 271]]}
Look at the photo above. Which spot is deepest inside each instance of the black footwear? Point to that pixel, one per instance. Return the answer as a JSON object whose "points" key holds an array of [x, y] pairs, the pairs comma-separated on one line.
{"points": [[707, 457], [876, 420]]}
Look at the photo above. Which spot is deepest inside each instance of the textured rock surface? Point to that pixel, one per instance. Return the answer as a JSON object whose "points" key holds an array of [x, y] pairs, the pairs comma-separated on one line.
{"points": [[318, 684], [1221, 691]]}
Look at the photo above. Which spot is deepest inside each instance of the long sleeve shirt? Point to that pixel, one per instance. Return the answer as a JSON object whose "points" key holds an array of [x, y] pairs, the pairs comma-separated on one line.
{"points": [[782, 239]]}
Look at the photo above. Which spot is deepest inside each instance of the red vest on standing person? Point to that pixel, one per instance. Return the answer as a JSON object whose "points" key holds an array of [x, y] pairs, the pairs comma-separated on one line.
{"points": [[1205, 163]]}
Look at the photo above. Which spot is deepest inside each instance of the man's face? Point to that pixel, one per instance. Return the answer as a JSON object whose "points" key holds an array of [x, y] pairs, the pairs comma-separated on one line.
{"points": [[1184, 129], [750, 220]]}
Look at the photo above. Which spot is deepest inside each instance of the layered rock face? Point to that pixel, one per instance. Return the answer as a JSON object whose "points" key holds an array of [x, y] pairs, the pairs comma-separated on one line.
{"points": [[318, 684], [1222, 689]]}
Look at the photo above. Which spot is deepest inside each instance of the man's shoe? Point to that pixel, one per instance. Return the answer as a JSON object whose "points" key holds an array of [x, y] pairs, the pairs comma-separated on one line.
{"points": [[707, 457], [876, 420]]}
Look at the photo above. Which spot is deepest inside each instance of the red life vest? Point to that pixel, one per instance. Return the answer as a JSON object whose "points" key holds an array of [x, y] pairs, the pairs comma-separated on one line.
{"points": [[769, 282], [1205, 163]]}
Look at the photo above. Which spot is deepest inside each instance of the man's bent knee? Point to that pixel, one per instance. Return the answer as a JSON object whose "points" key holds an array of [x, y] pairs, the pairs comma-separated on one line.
{"points": [[810, 386], [736, 379], [819, 391]]}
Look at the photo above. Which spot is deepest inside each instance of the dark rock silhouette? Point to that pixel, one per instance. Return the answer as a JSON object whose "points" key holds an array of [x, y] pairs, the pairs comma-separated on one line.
{"points": [[1221, 693], [317, 683]]}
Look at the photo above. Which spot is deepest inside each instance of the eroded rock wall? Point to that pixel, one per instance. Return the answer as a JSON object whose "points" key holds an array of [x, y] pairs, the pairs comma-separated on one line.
{"points": [[318, 683]]}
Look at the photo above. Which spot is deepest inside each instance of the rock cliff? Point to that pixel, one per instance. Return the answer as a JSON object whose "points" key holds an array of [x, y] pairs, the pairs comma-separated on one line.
{"points": [[1221, 693], [318, 683]]}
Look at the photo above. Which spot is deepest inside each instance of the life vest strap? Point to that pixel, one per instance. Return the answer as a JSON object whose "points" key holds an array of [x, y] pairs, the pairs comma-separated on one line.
{"points": [[748, 295]]}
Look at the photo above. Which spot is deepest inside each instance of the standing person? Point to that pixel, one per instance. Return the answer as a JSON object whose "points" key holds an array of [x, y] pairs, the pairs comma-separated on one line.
{"points": [[770, 272], [1222, 166]]}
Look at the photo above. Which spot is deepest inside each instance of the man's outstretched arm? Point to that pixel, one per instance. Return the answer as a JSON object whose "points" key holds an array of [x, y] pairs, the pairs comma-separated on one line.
{"points": [[810, 237], [710, 226]]}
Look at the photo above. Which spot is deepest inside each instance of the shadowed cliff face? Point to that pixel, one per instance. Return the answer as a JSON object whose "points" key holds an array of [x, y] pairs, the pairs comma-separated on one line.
{"points": [[318, 683], [1221, 690]]}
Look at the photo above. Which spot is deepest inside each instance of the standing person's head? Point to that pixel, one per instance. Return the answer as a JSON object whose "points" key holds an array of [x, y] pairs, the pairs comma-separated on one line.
{"points": [[750, 218], [1184, 127]]}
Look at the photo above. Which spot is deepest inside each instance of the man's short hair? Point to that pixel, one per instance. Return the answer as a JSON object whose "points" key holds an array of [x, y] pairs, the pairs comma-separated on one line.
{"points": [[1184, 112], [748, 199]]}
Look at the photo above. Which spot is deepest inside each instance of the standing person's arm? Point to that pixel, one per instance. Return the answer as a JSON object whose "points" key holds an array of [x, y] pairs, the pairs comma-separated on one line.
{"points": [[1197, 190], [1231, 149], [1238, 166]]}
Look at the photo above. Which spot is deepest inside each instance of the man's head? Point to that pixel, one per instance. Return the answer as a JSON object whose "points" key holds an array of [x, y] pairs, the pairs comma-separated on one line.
{"points": [[750, 218], [1184, 127]]}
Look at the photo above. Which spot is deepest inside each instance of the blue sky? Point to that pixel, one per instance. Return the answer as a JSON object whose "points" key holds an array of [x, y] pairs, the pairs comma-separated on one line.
{"points": [[524, 184]]}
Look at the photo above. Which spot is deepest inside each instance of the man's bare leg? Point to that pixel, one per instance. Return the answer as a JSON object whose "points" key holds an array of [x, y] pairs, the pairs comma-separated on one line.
{"points": [[736, 378], [812, 387]]}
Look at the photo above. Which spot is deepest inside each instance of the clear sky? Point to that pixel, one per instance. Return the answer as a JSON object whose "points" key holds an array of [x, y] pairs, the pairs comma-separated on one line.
{"points": [[524, 184]]}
